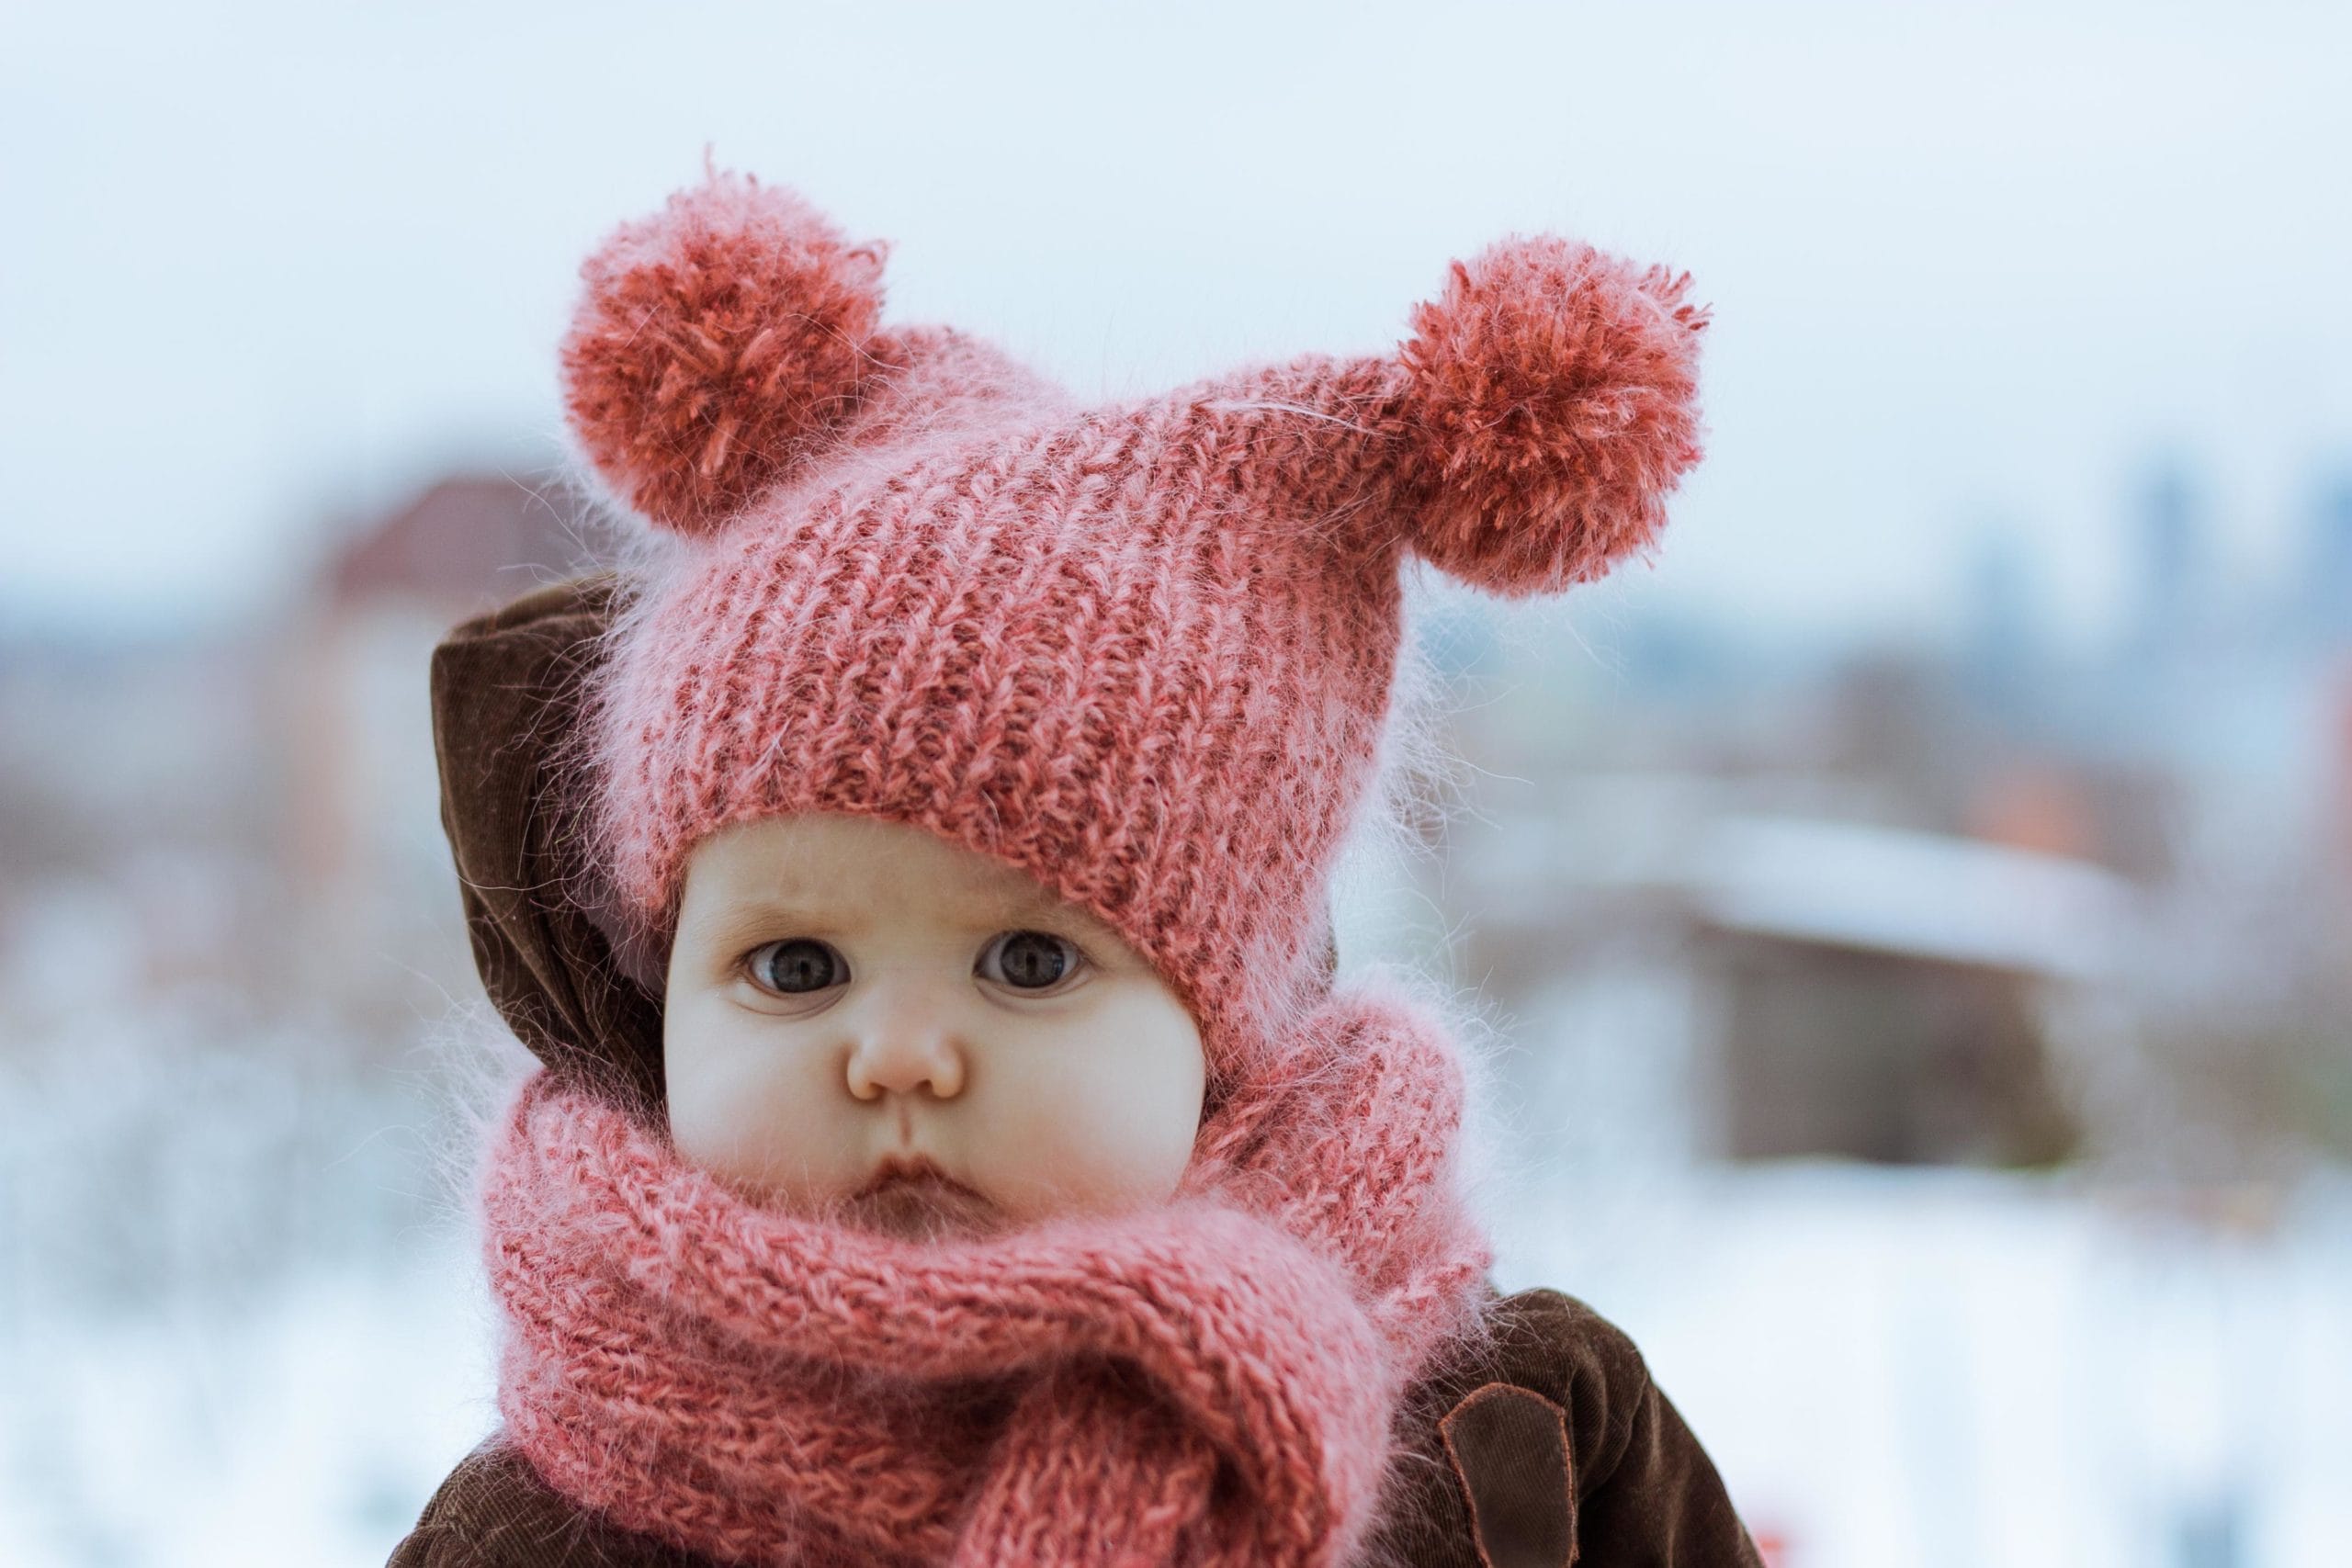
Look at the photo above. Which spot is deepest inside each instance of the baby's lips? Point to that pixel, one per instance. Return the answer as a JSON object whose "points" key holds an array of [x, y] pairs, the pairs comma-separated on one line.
{"points": [[897, 1168]]}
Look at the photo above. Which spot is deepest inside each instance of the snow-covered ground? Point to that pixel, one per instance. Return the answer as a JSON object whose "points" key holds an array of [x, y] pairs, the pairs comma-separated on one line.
{"points": [[308, 1430], [1939, 1367], [1891, 1368]]}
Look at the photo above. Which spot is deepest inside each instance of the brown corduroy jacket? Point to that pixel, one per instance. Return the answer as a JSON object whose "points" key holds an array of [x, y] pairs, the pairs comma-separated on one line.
{"points": [[1553, 1447]]}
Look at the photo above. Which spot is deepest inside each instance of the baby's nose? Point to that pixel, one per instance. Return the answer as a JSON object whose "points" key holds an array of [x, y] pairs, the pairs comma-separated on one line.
{"points": [[904, 1049]]}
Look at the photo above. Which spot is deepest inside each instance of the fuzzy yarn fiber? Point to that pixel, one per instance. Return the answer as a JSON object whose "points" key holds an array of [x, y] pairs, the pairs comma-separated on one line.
{"points": [[1209, 1382]]}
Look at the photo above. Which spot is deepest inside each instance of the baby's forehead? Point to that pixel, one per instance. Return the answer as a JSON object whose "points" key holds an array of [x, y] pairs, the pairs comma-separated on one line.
{"points": [[831, 869]]}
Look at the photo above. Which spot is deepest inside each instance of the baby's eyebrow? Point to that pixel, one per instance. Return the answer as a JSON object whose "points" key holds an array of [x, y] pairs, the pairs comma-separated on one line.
{"points": [[1022, 903], [760, 910], [770, 903], [994, 907]]}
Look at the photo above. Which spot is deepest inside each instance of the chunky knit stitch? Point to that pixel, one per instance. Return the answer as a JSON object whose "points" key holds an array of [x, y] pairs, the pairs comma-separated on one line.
{"points": [[1205, 1383], [1142, 651]]}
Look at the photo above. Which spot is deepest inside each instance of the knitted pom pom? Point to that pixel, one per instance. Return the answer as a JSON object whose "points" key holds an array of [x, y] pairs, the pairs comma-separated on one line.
{"points": [[718, 341], [1552, 407]]}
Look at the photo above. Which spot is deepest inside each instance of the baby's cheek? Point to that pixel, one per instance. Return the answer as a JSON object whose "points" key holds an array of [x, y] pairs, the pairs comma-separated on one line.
{"points": [[746, 1109], [1096, 1135]]}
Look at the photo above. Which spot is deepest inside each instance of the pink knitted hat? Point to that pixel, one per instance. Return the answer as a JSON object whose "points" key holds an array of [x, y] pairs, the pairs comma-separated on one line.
{"points": [[1141, 650]]}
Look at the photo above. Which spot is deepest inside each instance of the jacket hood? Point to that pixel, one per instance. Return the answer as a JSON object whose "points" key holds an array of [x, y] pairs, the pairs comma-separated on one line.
{"points": [[507, 690]]}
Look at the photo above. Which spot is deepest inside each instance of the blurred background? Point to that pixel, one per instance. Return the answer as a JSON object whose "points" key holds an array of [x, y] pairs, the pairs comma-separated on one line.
{"points": [[1912, 916]]}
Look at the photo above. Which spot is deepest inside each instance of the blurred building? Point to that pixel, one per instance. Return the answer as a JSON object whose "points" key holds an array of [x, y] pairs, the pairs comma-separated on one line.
{"points": [[1813, 988], [1883, 991], [364, 854]]}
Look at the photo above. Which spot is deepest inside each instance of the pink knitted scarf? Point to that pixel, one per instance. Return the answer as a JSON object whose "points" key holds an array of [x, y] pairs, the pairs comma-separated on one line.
{"points": [[1207, 1382]]}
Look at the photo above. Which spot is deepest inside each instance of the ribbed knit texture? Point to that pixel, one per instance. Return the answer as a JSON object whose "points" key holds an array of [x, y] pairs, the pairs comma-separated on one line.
{"points": [[1142, 651], [1207, 1382]]}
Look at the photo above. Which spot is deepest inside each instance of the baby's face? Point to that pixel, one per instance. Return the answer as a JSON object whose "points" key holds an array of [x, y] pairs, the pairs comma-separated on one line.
{"points": [[846, 993]]}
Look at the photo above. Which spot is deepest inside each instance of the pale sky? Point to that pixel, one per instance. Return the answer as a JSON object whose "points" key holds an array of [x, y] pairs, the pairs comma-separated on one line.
{"points": [[1970, 263]]}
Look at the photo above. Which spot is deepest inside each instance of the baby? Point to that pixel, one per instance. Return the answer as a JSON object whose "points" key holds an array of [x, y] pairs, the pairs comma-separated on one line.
{"points": [[951, 1145]]}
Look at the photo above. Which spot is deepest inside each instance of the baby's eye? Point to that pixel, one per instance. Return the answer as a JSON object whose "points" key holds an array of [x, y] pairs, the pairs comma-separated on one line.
{"points": [[1028, 961], [801, 964]]}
